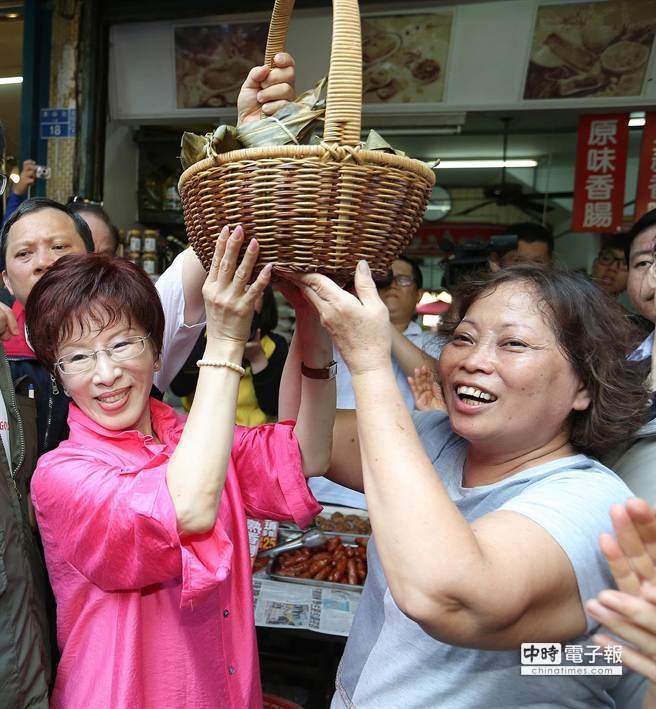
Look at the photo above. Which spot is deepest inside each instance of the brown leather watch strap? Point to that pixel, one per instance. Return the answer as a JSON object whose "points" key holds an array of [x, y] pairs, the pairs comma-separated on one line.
{"points": [[328, 372]]}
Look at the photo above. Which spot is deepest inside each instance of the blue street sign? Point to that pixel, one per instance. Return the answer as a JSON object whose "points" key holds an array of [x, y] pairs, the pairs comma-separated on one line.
{"points": [[57, 123]]}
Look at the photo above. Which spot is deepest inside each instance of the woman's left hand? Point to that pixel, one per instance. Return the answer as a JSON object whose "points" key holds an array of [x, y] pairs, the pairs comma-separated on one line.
{"points": [[359, 326]]}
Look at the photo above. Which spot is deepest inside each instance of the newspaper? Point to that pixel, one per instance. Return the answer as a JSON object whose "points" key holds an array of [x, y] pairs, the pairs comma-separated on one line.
{"points": [[289, 605]]}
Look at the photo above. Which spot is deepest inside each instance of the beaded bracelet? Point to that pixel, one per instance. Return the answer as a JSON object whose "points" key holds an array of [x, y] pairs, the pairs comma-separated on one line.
{"points": [[221, 363]]}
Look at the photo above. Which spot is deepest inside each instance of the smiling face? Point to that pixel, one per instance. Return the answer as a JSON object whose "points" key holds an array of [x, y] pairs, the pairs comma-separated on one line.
{"points": [[34, 243], [639, 287], [113, 394], [507, 386]]}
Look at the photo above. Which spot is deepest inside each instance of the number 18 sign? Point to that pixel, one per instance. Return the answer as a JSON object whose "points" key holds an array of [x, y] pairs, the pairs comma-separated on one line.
{"points": [[57, 123]]}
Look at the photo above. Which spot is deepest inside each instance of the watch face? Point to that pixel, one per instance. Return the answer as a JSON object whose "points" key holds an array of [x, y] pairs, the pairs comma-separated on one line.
{"points": [[439, 204]]}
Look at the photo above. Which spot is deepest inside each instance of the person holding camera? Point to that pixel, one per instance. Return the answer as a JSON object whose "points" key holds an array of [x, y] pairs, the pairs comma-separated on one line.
{"points": [[25, 660], [20, 192]]}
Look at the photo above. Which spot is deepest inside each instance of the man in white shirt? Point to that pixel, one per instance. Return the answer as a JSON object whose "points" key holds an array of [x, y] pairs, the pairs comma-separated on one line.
{"points": [[411, 349], [640, 257], [635, 463]]}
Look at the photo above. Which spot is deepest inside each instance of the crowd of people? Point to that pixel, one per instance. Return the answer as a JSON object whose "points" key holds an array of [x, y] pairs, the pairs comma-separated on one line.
{"points": [[505, 465]]}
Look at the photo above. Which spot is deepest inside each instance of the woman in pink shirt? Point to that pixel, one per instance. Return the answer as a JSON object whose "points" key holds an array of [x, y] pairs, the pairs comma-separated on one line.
{"points": [[143, 514]]}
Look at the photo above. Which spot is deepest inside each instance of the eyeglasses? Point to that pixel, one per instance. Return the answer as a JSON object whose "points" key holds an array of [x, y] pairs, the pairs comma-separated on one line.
{"points": [[609, 259], [78, 362], [401, 280], [3, 183]]}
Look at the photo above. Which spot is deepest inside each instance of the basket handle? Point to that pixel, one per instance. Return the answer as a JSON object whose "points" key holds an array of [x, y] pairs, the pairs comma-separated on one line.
{"points": [[344, 97]]}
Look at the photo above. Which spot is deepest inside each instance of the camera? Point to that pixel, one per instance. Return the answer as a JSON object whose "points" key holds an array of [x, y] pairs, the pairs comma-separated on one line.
{"points": [[470, 256], [43, 172]]}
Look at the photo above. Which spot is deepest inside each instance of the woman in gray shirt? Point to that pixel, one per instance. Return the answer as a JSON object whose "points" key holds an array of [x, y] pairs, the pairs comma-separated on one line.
{"points": [[485, 522]]}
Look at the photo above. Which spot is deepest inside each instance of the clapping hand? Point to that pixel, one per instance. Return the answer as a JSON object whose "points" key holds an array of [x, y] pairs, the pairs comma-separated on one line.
{"points": [[425, 390], [630, 612]]}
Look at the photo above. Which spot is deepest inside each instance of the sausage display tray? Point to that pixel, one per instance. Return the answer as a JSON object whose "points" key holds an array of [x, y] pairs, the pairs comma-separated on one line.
{"points": [[327, 512], [268, 569]]}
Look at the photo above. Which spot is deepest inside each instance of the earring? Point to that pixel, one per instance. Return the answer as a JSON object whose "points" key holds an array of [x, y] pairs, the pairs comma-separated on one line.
{"points": [[157, 366]]}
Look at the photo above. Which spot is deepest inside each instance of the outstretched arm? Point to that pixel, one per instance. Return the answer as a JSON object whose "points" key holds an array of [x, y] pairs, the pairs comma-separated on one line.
{"points": [[445, 593], [310, 402], [197, 470], [263, 92]]}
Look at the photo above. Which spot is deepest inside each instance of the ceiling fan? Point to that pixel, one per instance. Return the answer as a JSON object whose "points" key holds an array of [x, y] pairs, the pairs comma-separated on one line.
{"points": [[506, 193]]}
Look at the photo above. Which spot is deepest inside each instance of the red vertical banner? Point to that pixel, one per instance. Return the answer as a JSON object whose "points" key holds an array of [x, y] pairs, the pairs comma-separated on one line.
{"points": [[601, 152], [646, 193]]}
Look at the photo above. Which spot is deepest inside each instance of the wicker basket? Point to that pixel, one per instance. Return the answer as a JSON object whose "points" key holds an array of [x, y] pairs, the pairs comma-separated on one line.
{"points": [[313, 207]]}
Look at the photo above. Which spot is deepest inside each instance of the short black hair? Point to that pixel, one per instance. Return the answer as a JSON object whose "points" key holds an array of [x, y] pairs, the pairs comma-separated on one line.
{"points": [[36, 204], [613, 241], [646, 221], [532, 232], [269, 312], [417, 275], [98, 211]]}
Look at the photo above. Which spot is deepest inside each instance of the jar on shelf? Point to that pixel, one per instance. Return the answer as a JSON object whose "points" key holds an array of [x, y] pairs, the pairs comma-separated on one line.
{"points": [[135, 241], [171, 201], [151, 195], [149, 257]]}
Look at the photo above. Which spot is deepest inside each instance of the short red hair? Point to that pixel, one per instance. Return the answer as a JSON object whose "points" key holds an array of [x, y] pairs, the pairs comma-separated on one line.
{"points": [[98, 287]]}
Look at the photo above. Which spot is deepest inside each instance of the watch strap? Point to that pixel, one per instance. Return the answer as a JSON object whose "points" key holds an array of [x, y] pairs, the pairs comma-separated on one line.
{"points": [[328, 372]]}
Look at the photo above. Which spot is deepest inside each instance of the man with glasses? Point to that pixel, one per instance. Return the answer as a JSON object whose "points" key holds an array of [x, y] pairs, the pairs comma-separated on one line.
{"points": [[46, 231], [635, 462], [412, 348], [25, 660], [40, 231], [610, 270]]}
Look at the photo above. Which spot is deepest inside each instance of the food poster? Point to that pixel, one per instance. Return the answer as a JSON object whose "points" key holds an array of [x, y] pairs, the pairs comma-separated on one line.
{"points": [[591, 49], [212, 62], [405, 57]]}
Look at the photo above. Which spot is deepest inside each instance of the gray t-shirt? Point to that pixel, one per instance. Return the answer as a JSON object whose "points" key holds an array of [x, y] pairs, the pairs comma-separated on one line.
{"points": [[391, 663]]}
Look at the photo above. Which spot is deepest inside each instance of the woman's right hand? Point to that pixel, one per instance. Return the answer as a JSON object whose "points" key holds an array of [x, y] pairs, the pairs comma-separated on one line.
{"points": [[229, 299], [630, 612]]}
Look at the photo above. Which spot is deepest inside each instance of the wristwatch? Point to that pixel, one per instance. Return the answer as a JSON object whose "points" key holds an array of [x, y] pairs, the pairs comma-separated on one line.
{"points": [[329, 372]]}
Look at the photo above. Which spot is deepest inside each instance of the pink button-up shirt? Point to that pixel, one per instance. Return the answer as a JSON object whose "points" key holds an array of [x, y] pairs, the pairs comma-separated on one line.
{"points": [[144, 618]]}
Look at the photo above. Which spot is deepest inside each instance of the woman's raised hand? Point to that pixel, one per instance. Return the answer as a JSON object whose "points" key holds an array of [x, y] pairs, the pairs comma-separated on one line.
{"points": [[359, 326], [630, 612], [229, 299]]}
